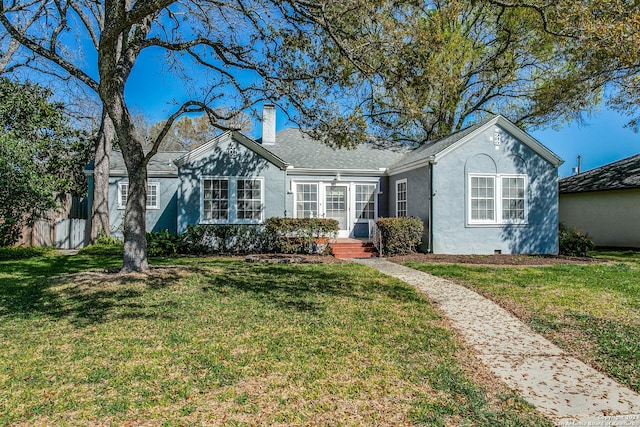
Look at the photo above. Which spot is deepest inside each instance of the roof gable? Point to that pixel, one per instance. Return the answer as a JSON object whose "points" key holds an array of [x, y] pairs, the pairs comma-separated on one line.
{"points": [[229, 136], [621, 175], [432, 152]]}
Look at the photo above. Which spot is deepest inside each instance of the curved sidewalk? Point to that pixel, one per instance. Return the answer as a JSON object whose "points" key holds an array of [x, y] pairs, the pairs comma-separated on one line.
{"points": [[560, 386]]}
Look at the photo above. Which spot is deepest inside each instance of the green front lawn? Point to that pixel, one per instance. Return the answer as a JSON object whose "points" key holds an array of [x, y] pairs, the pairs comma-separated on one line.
{"points": [[591, 311], [223, 342]]}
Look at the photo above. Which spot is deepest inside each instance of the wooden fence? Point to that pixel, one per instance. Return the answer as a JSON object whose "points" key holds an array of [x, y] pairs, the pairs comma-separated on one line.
{"points": [[71, 233], [65, 228]]}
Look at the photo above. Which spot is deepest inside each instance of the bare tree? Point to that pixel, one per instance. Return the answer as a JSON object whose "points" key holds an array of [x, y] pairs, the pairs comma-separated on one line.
{"points": [[221, 38]]}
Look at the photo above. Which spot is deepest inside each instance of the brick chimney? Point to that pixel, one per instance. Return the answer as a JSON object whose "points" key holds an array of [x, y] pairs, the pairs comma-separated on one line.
{"points": [[268, 124]]}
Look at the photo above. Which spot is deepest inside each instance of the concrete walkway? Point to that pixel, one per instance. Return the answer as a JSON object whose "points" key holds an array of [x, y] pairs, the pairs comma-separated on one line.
{"points": [[561, 387]]}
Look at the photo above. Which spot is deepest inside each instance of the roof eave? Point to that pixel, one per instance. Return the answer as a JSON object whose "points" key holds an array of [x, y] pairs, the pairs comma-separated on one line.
{"points": [[507, 125]]}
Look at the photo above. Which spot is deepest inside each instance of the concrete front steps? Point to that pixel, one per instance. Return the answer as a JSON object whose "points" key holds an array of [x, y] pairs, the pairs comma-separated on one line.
{"points": [[352, 248]]}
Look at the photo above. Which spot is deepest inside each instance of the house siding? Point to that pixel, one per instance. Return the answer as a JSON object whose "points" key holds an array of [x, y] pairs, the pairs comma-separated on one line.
{"points": [[452, 232], [610, 218], [418, 192], [163, 218], [220, 163]]}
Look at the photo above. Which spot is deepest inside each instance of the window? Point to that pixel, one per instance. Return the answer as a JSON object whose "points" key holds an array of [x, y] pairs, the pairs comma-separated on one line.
{"points": [[249, 199], [306, 200], [215, 200], [232, 200], [497, 199], [483, 198], [401, 197], [153, 195], [123, 192], [365, 201], [513, 198]]}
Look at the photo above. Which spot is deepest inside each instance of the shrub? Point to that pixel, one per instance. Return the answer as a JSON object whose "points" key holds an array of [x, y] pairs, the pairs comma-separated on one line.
{"points": [[107, 246], [299, 235], [573, 242], [222, 239], [22, 252], [162, 243], [400, 235]]}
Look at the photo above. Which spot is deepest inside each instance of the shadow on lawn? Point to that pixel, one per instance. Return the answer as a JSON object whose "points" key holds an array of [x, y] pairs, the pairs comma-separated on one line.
{"points": [[82, 290], [304, 288], [61, 287]]}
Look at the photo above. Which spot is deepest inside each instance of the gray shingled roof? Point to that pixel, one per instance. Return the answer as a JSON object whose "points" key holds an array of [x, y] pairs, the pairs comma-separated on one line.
{"points": [[301, 151], [620, 175], [161, 163], [432, 148]]}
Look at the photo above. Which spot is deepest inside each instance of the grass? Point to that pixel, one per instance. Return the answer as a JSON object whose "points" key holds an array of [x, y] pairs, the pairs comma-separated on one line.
{"points": [[223, 342], [591, 311]]}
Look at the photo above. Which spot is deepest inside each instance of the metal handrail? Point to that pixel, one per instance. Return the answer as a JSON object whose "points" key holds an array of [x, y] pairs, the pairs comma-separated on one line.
{"points": [[375, 236]]}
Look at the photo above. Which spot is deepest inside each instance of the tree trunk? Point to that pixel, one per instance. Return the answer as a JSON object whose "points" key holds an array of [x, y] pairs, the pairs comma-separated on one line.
{"points": [[135, 221], [100, 206]]}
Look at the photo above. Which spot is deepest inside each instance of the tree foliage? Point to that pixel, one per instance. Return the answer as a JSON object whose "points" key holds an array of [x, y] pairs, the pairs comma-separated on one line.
{"points": [[187, 132], [41, 155], [220, 50], [598, 41]]}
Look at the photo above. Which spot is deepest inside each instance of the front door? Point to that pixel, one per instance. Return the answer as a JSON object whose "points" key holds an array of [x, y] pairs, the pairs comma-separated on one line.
{"points": [[336, 206]]}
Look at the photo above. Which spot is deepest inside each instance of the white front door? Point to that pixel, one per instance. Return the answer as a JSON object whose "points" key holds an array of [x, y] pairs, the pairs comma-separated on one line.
{"points": [[336, 206]]}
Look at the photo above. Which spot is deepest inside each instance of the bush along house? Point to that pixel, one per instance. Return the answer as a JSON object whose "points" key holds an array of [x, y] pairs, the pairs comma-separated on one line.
{"points": [[489, 188]]}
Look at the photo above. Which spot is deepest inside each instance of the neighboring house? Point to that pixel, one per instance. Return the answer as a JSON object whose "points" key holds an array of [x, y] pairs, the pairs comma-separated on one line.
{"points": [[490, 188], [605, 203]]}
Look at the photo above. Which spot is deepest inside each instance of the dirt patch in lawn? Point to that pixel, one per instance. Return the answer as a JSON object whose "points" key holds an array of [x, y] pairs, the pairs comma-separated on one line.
{"points": [[514, 260]]}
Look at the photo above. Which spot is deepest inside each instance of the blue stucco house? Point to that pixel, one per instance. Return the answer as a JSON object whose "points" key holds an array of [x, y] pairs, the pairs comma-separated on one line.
{"points": [[489, 188]]}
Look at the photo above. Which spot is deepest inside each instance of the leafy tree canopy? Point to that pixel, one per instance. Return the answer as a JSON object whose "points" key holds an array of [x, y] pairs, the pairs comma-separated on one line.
{"points": [[41, 155]]}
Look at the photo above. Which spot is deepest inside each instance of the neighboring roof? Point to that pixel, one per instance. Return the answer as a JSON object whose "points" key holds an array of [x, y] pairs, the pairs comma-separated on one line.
{"points": [[621, 175], [160, 165], [432, 151], [303, 152]]}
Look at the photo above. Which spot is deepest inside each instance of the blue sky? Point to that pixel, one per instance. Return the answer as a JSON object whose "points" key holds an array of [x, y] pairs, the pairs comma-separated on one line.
{"points": [[600, 140]]}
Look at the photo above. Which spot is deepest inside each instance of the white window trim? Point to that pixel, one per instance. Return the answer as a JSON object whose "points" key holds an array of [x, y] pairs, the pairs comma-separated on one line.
{"points": [[232, 190], [120, 185], [352, 197], [375, 202], [498, 220], [406, 200], [149, 184], [294, 185], [233, 197], [157, 185], [215, 221]]}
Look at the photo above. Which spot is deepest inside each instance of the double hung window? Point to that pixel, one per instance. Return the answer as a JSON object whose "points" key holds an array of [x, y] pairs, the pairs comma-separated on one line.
{"points": [[231, 200], [365, 201], [306, 200], [153, 195], [497, 199], [401, 197]]}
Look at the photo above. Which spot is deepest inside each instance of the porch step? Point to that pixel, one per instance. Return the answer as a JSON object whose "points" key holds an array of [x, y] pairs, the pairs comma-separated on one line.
{"points": [[351, 248]]}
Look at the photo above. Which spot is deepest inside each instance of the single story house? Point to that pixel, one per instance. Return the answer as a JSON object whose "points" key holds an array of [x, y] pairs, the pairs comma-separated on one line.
{"points": [[604, 203], [489, 188]]}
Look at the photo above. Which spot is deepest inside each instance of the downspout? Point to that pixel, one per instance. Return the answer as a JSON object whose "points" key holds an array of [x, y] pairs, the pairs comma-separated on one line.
{"points": [[432, 193], [287, 190]]}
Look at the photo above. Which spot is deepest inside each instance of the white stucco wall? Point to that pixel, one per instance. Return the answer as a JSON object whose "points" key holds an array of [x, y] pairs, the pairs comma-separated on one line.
{"points": [[611, 218]]}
